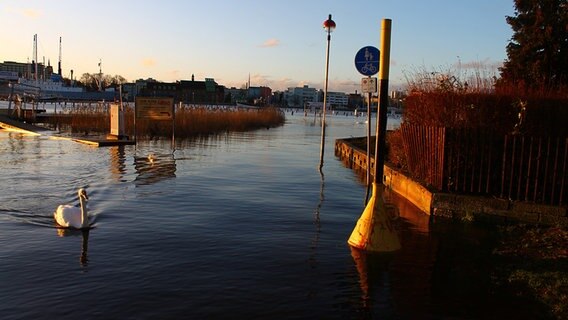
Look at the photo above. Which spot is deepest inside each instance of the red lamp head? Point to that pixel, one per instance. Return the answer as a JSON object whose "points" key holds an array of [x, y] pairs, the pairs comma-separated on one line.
{"points": [[329, 25]]}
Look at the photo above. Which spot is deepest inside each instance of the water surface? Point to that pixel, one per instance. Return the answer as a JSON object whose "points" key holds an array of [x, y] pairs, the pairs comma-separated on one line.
{"points": [[239, 225]]}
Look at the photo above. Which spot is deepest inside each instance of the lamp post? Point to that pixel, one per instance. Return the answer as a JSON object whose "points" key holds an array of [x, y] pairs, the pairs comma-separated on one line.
{"points": [[329, 26]]}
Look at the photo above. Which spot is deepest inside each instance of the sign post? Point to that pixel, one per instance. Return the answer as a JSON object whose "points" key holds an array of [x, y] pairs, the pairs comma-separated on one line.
{"points": [[156, 108], [367, 63]]}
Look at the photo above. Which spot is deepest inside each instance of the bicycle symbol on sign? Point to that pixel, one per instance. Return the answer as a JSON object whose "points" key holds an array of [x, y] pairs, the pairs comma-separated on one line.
{"points": [[368, 68], [367, 60]]}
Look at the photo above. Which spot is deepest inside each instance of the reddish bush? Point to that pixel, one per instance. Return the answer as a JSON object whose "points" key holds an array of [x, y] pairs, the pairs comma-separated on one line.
{"points": [[502, 113]]}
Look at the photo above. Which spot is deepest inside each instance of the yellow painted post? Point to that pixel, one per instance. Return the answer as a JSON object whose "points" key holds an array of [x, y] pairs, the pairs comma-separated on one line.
{"points": [[384, 64], [374, 230]]}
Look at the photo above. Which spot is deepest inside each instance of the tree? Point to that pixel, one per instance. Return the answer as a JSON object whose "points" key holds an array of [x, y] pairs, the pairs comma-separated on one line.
{"points": [[538, 50], [92, 81]]}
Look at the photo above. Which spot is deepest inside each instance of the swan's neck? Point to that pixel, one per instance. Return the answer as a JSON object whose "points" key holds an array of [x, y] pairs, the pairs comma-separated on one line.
{"points": [[84, 216]]}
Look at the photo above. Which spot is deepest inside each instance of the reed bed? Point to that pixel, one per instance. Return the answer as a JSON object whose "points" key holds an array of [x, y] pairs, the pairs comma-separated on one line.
{"points": [[189, 122]]}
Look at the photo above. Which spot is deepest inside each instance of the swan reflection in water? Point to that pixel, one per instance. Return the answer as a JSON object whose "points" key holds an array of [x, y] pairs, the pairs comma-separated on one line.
{"points": [[83, 258]]}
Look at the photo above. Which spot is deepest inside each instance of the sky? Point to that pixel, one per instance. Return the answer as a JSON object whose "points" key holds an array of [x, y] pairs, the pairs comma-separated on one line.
{"points": [[279, 44]]}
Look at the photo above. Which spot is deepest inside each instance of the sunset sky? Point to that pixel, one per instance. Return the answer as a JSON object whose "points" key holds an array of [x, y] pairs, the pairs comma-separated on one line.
{"points": [[280, 44]]}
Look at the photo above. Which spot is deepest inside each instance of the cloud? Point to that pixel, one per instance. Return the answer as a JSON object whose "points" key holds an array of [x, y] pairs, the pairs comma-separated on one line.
{"points": [[282, 84], [479, 64], [25, 12], [270, 43], [148, 62], [31, 13]]}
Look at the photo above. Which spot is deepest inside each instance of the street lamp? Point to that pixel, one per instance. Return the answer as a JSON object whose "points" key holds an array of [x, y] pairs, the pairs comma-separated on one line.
{"points": [[329, 26]]}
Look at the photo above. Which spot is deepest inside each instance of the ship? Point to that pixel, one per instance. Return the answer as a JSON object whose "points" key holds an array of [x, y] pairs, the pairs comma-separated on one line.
{"points": [[55, 89], [49, 85]]}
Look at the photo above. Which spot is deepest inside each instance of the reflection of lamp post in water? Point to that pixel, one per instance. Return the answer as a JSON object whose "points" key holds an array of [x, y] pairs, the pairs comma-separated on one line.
{"points": [[329, 26]]}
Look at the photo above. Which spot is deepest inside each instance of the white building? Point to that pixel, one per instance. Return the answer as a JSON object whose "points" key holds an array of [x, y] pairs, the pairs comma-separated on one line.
{"points": [[306, 96], [337, 99], [299, 96]]}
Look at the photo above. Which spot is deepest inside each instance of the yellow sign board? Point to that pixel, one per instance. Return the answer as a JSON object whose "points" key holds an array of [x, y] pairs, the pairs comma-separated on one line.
{"points": [[155, 108]]}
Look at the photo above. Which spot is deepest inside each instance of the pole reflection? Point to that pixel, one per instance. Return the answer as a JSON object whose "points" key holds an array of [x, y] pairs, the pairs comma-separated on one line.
{"points": [[312, 258], [374, 277], [118, 162]]}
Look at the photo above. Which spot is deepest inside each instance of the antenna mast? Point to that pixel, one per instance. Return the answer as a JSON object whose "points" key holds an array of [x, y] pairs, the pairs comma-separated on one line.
{"points": [[59, 64], [100, 75], [34, 59]]}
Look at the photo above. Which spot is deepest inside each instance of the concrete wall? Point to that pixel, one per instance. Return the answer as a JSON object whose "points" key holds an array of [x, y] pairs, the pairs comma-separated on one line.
{"points": [[455, 206]]}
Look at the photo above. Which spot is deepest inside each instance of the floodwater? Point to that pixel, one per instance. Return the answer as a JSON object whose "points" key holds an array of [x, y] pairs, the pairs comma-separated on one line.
{"points": [[240, 225]]}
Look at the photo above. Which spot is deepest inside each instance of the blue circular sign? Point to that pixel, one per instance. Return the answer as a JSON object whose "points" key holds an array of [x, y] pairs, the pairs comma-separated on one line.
{"points": [[367, 61]]}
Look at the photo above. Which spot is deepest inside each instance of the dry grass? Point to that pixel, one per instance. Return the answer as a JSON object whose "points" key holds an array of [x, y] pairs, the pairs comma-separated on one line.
{"points": [[189, 122]]}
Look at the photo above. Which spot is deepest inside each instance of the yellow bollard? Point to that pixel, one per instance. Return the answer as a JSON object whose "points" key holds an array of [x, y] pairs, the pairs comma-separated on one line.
{"points": [[374, 230]]}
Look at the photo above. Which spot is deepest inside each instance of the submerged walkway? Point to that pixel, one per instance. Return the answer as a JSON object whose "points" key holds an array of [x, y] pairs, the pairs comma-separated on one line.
{"points": [[19, 126], [99, 141]]}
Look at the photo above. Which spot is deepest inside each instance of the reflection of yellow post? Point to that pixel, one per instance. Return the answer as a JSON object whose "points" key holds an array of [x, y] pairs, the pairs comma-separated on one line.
{"points": [[361, 264], [374, 230]]}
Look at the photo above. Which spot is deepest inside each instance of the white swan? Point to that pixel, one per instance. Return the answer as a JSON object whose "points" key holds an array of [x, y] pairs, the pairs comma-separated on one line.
{"points": [[69, 216]]}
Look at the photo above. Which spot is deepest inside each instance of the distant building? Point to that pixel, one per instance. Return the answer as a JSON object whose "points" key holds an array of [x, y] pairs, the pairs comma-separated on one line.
{"points": [[355, 100], [396, 99], [397, 94], [234, 95], [300, 96], [160, 89], [259, 95], [334, 100], [200, 92], [186, 91], [27, 70], [131, 90], [337, 100]]}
